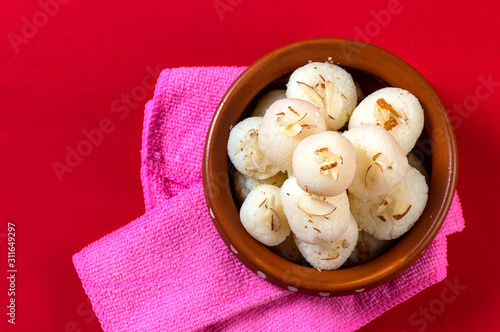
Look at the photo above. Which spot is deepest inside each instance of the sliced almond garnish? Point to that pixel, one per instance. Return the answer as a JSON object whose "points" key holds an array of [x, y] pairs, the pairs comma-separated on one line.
{"points": [[272, 200], [401, 208], [383, 165], [275, 220], [328, 162], [252, 133], [318, 158], [328, 166], [388, 107], [252, 156], [257, 164], [387, 116], [374, 176], [330, 255], [324, 155], [333, 100], [378, 158], [293, 111], [334, 173], [321, 150], [315, 207], [290, 120], [280, 116], [306, 126], [291, 130], [392, 207], [265, 199], [302, 117], [293, 117], [383, 206], [391, 123], [312, 93]]}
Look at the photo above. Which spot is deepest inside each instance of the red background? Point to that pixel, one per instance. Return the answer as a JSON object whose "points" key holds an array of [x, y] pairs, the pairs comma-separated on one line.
{"points": [[63, 77]]}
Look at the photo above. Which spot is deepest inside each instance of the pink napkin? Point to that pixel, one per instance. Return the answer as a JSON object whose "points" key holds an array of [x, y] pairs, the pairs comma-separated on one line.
{"points": [[169, 270]]}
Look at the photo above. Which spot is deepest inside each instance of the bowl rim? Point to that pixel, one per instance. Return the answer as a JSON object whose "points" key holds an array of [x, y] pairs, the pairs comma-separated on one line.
{"points": [[290, 275]]}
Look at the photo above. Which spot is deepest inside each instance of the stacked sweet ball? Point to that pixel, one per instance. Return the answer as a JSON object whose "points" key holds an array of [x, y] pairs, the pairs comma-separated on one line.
{"points": [[309, 191]]}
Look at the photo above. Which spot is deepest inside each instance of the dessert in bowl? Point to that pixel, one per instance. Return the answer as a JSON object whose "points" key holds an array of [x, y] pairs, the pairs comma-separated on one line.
{"points": [[373, 68]]}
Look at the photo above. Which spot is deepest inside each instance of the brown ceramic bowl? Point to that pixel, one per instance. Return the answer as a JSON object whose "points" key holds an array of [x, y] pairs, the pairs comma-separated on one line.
{"points": [[374, 68]]}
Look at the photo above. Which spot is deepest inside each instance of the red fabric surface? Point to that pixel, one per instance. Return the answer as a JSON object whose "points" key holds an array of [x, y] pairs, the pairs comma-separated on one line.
{"points": [[77, 70]]}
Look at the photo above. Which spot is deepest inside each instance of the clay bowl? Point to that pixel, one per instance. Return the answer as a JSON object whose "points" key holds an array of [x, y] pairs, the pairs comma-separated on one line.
{"points": [[374, 68]]}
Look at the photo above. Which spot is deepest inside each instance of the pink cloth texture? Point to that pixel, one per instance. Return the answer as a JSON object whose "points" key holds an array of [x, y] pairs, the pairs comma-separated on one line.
{"points": [[170, 271]]}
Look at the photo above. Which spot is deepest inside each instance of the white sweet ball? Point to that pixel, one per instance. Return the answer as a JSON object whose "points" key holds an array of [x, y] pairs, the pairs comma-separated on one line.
{"points": [[367, 248], [286, 123], [266, 101], [244, 152], [381, 165], [324, 164], [396, 110], [329, 87], [389, 216], [314, 219], [332, 255], [243, 184], [262, 215]]}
